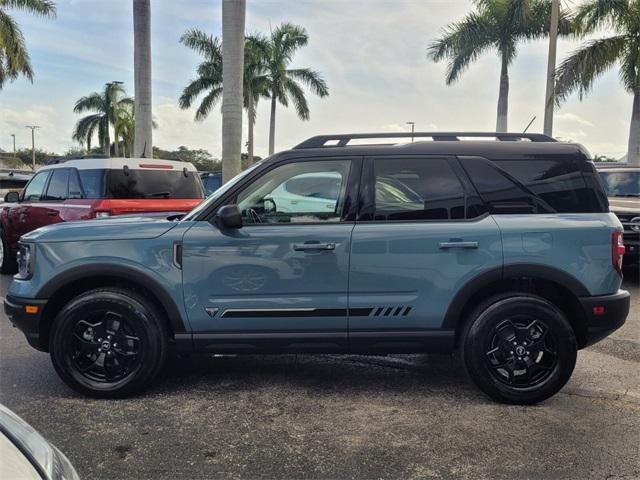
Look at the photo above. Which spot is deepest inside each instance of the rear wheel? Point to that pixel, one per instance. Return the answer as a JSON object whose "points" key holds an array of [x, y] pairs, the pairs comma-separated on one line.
{"points": [[519, 348], [109, 343]]}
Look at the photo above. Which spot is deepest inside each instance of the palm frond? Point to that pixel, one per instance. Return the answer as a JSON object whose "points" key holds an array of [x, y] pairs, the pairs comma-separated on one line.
{"points": [[206, 45], [44, 8], [312, 79], [583, 66], [92, 102], [295, 92], [208, 102], [630, 65], [597, 14], [475, 31], [13, 51]]}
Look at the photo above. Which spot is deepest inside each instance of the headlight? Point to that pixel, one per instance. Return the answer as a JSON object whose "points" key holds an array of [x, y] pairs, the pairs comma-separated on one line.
{"points": [[25, 261]]}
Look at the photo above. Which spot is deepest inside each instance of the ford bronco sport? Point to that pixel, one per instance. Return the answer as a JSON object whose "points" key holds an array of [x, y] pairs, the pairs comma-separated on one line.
{"points": [[499, 246]]}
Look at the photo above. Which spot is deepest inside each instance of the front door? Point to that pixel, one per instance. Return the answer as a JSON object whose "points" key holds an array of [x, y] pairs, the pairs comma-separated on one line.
{"points": [[280, 281], [421, 235], [29, 214]]}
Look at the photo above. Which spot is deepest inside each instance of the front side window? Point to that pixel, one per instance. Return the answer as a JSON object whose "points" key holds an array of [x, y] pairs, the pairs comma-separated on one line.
{"points": [[57, 189], [34, 190], [297, 193], [417, 189]]}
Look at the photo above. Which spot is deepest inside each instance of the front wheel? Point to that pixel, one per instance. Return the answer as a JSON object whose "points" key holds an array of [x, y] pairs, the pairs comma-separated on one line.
{"points": [[518, 348], [109, 343]]}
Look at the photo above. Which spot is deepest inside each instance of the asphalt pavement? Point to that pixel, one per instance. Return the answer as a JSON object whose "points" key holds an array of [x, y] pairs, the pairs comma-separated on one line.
{"points": [[338, 416]]}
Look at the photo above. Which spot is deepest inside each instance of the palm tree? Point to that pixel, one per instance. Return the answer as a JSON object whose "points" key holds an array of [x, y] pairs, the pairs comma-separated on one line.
{"points": [[14, 58], [209, 80], [125, 126], [285, 83], [104, 106], [582, 67], [143, 145], [495, 25]]}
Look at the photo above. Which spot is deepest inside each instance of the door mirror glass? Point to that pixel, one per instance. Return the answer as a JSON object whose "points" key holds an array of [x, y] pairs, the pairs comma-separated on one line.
{"points": [[229, 216], [12, 197]]}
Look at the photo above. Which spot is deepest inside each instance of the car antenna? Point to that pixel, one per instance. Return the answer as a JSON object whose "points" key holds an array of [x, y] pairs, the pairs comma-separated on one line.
{"points": [[529, 124], [144, 151]]}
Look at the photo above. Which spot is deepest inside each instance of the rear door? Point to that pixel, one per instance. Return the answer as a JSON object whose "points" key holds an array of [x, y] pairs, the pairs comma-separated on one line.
{"points": [[280, 281], [421, 235]]}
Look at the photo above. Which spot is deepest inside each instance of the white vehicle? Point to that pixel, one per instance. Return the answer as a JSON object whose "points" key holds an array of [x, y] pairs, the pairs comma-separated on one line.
{"points": [[25, 454], [308, 192]]}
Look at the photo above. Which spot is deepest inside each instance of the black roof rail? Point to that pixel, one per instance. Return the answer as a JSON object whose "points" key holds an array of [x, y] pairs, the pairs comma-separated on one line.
{"points": [[342, 140], [56, 160]]}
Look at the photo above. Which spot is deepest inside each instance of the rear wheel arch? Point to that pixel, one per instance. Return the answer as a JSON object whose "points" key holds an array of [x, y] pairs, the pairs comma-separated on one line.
{"points": [[62, 289], [559, 288]]}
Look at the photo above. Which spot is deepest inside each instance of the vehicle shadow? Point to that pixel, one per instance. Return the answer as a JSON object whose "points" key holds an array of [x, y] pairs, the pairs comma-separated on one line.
{"points": [[318, 375]]}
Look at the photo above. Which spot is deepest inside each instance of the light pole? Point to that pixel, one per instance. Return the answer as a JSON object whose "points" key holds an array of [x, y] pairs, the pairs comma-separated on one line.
{"points": [[14, 145], [413, 129], [33, 145]]}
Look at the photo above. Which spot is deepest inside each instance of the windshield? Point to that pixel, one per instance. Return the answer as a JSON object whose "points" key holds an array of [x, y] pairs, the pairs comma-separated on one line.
{"points": [[219, 192], [621, 184]]}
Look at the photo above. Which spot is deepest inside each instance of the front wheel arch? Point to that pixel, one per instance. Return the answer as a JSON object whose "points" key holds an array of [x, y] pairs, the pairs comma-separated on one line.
{"points": [[59, 293]]}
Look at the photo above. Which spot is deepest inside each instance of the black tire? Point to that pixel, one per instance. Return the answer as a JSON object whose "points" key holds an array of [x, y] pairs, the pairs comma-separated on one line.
{"points": [[7, 260], [518, 348], [84, 344]]}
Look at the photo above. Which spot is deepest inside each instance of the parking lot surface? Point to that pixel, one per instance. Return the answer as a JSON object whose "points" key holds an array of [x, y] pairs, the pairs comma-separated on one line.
{"points": [[338, 416]]}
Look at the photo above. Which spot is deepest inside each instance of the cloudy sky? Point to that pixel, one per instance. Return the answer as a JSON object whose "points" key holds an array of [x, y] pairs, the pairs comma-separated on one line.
{"points": [[372, 54]]}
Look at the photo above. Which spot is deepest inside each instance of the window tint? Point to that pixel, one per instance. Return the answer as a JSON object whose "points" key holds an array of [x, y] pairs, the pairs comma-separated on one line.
{"points": [[140, 184], [74, 184], [316, 195], [57, 189], [153, 184], [497, 190], [558, 183], [92, 182], [417, 189], [33, 192]]}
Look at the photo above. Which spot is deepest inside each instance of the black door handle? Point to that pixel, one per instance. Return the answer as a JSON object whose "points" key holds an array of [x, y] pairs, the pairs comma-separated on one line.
{"points": [[302, 247]]}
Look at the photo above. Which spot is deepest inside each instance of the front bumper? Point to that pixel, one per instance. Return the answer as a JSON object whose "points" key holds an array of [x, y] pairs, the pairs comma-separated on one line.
{"points": [[28, 323], [604, 314]]}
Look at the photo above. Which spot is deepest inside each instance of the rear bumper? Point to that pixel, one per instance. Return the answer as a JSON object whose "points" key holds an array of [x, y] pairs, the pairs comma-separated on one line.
{"points": [[604, 314], [27, 323]]}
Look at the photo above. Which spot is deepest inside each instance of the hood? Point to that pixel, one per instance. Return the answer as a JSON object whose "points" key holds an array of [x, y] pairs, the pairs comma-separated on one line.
{"points": [[114, 228], [624, 204]]}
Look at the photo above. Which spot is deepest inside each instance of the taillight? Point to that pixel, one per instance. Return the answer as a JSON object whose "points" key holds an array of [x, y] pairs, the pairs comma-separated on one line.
{"points": [[617, 251]]}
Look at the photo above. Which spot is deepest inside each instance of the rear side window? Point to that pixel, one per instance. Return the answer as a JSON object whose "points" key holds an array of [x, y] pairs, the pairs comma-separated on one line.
{"points": [[75, 191], [57, 189], [529, 186], [417, 189], [138, 184]]}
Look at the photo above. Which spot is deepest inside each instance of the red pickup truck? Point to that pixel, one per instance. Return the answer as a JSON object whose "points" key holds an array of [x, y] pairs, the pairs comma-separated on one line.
{"points": [[86, 188]]}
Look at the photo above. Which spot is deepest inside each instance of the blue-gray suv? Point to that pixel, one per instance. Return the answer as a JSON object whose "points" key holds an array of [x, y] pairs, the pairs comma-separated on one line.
{"points": [[499, 246]]}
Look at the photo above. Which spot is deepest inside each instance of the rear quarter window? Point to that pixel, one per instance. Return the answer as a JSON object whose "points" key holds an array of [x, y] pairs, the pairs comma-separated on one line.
{"points": [[530, 185]]}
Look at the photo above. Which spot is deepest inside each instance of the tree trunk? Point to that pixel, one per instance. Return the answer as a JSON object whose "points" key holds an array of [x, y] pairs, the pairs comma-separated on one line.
{"points": [[633, 152], [116, 147], [503, 97], [272, 124], [250, 115], [107, 139], [143, 145], [233, 16], [551, 67]]}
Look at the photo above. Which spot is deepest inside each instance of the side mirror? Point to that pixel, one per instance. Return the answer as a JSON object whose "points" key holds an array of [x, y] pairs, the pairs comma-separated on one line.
{"points": [[12, 197], [229, 216]]}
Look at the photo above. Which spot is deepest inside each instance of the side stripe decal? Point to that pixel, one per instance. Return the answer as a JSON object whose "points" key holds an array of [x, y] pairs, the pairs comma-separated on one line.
{"points": [[387, 311]]}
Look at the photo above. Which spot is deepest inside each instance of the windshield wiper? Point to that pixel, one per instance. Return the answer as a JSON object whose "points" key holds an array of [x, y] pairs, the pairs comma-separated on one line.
{"points": [[158, 194]]}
